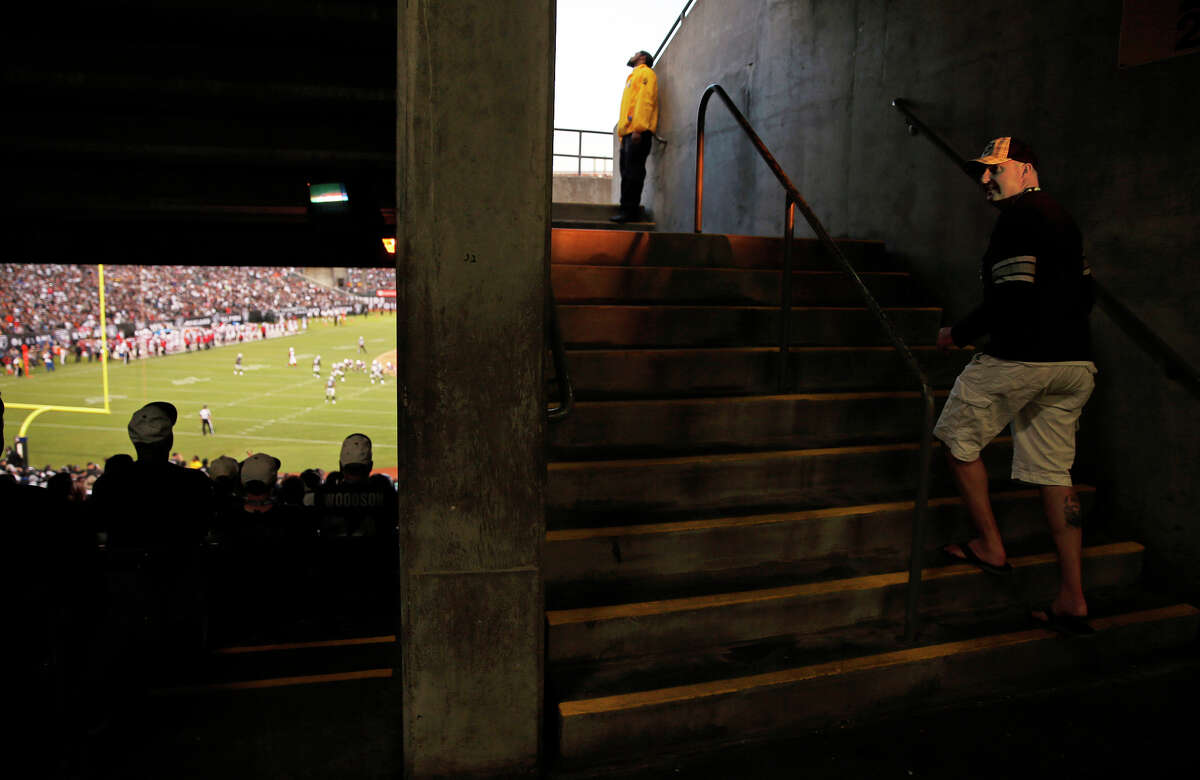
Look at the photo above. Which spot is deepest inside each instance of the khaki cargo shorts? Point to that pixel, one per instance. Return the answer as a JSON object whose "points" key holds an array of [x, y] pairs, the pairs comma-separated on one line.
{"points": [[1042, 401]]}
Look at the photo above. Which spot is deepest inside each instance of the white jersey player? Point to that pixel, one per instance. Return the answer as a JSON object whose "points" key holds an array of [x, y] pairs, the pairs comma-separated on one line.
{"points": [[330, 390], [237, 366], [292, 357], [376, 372], [317, 366]]}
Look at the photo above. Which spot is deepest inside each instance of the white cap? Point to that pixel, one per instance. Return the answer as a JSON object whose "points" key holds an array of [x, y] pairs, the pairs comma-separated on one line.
{"points": [[355, 449], [260, 466]]}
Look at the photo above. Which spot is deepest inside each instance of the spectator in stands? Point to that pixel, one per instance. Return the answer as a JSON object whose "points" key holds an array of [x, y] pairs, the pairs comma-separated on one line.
{"points": [[355, 502], [156, 515]]}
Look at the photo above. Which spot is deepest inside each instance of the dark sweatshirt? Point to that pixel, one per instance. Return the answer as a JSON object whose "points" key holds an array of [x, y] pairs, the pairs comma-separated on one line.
{"points": [[1037, 286]]}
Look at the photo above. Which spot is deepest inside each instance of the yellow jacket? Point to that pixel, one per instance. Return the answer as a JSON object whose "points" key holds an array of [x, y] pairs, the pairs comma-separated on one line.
{"points": [[639, 102]]}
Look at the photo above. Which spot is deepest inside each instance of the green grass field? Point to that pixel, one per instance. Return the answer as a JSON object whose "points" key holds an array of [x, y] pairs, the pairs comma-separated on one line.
{"points": [[271, 408]]}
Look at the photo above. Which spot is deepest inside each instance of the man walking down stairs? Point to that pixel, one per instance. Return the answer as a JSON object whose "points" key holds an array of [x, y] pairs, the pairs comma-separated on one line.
{"points": [[725, 562]]}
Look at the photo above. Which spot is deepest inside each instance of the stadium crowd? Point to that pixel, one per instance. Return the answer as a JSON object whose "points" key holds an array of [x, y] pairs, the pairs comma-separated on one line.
{"points": [[130, 587], [53, 310]]}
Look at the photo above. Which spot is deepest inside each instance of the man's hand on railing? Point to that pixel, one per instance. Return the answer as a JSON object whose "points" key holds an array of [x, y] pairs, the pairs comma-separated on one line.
{"points": [[945, 342]]}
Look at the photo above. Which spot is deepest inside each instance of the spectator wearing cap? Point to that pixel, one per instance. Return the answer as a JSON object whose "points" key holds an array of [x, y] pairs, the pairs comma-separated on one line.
{"points": [[1035, 371], [224, 472], [356, 502], [359, 515], [268, 554], [156, 515]]}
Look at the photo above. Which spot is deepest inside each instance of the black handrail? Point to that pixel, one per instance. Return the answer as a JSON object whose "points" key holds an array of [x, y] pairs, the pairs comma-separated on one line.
{"points": [[671, 32], [1172, 363], [792, 200], [562, 377]]}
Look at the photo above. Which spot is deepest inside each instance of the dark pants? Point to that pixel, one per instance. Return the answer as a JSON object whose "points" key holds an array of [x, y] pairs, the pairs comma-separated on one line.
{"points": [[633, 171]]}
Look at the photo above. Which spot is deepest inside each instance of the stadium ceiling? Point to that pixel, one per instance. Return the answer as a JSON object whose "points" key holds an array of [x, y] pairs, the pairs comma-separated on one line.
{"points": [[186, 132]]}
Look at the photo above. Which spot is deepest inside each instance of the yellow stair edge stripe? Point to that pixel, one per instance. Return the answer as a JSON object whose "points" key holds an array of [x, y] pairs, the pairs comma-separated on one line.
{"points": [[897, 658], [737, 457], [639, 609], [727, 400], [688, 526], [362, 640], [274, 682], [771, 350], [720, 269], [730, 307]]}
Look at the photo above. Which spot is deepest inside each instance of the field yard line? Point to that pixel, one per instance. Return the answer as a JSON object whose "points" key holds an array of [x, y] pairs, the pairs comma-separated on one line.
{"points": [[225, 419], [190, 434], [253, 397]]}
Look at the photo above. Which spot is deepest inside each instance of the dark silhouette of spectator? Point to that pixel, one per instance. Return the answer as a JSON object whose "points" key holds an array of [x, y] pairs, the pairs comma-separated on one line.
{"points": [[291, 491], [359, 516], [268, 549], [156, 515], [47, 609], [62, 487]]}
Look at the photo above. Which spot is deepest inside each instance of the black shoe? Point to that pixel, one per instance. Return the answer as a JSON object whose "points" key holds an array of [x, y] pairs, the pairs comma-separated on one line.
{"points": [[620, 218]]}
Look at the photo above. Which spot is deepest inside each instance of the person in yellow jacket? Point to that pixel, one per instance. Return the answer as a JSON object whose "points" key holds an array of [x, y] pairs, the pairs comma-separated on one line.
{"points": [[639, 121]]}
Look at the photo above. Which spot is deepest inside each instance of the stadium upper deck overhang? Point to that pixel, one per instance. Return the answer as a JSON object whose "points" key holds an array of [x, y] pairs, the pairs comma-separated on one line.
{"points": [[184, 133]]}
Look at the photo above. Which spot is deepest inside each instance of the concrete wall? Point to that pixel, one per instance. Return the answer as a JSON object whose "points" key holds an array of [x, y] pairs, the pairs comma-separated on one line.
{"points": [[473, 243], [816, 78], [571, 188]]}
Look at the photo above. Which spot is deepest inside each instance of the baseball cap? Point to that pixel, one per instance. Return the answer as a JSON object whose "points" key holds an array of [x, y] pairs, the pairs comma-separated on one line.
{"points": [[355, 449], [152, 423], [261, 467], [1006, 148], [223, 466]]}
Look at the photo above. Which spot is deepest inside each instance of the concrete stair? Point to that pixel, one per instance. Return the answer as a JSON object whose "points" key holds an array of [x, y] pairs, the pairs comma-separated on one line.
{"points": [[724, 561], [593, 216]]}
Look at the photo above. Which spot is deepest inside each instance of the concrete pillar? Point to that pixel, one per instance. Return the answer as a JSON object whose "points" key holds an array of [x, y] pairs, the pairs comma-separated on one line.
{"points": [[475, 87]]}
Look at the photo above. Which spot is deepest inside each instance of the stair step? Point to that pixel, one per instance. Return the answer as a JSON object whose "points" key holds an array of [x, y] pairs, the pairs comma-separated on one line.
{"points": [[575, 211], [587, 562], [649, 721], [669, 625], [611, 325], [676, 425], [286, 664], [705, 250], [619, 492], [681, 285], [659, 373], [603, 223]]}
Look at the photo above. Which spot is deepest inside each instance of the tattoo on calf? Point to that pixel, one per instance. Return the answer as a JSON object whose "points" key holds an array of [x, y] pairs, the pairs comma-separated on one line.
{"points": [[1073, 512]]}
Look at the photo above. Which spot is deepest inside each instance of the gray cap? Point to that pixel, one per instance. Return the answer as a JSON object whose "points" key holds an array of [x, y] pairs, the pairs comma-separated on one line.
{"points": [[152, 423]]}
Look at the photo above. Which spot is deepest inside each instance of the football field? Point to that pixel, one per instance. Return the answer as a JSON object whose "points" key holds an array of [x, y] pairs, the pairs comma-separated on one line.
{"points": [[272, 408]]}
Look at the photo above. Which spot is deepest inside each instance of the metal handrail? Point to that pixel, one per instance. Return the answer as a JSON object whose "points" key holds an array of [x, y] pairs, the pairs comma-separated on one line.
{"points": [[793, 199], [562, 376], [671, 32], [1172, 363], [579, 155]]}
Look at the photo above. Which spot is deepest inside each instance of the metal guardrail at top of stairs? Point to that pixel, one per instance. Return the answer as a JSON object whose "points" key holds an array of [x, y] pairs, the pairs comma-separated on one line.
{"points": [[791, 201], [579, 156], [1172, 363]]}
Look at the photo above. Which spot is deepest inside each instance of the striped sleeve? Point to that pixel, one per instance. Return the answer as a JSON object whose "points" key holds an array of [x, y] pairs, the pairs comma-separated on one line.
{"points": [[1022, 268]]}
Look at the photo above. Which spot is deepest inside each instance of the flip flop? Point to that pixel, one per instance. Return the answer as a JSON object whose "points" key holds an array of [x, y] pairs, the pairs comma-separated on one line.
{"points": [[975, 560], [1063, 624]]}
